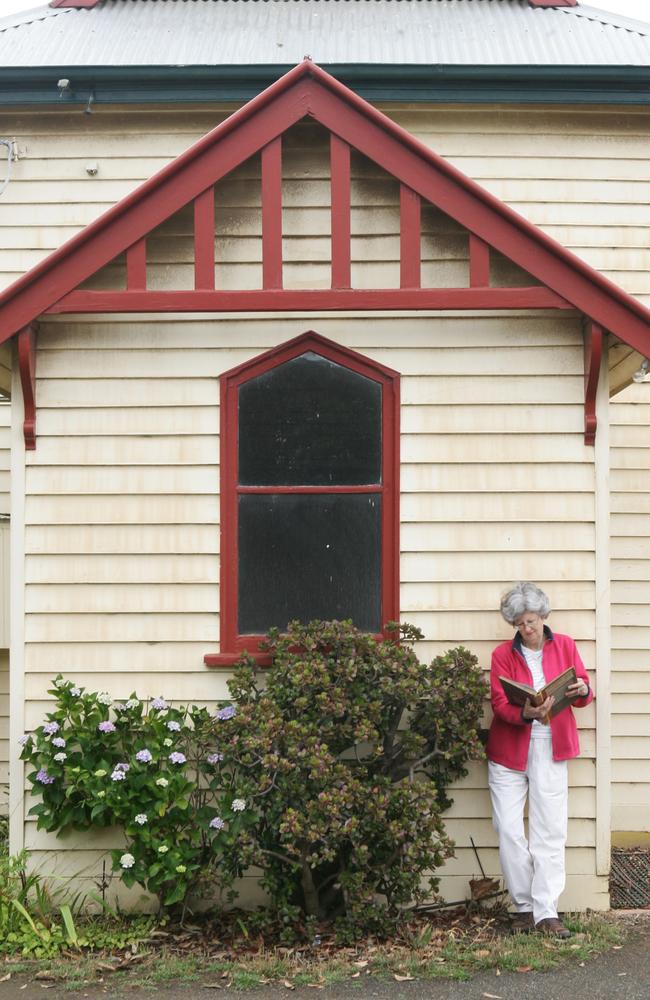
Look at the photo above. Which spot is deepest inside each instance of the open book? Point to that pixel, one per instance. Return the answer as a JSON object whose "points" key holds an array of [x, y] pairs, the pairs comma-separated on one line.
{"points": [[517, 693]]}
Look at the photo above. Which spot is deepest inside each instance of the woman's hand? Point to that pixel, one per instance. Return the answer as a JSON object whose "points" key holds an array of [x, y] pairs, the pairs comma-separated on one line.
{"points": [[577, 690], [539, 712]]}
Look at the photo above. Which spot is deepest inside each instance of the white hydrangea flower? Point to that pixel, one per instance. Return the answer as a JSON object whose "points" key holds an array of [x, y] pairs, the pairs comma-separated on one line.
{"points": [[104, 698], [60, 757], [132, 703], [163, 849], [140, 819], [162, 782], [127, 861], [238, 805]]}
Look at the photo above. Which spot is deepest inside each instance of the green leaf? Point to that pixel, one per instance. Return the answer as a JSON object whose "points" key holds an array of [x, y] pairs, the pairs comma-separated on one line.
{"points": [[176, 895], [70, 929], [23, 912]]}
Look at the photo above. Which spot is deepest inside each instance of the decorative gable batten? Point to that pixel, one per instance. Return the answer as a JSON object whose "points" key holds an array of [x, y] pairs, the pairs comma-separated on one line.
{"points": [[423, 179]]}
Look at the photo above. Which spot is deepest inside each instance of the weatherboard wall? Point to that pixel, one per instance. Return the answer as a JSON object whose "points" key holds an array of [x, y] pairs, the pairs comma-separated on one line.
{"points": [[121, 554], [5, 415], [122, 514], [630, 550]]}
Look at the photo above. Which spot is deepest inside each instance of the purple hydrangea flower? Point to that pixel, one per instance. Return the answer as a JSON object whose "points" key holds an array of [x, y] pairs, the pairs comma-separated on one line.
{"points": [[24, 740], [50, 728], [123, 767], [118, 775], [144, 756], [159, 704], [177, 758], [106, 727], [44, 777], [174, 727], [214, 758], [216, 823], [226, 713], [58, 741], [119, 707]]}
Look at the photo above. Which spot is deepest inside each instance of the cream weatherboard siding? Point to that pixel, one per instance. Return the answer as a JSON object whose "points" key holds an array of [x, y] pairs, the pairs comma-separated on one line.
{"points": [[630, 550], [4, 731], [122, 513], [5, 418], [5, 449]]}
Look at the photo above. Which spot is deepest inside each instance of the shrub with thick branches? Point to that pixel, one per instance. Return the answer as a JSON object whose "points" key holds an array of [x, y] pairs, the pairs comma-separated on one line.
{"points": [[345, 748]]}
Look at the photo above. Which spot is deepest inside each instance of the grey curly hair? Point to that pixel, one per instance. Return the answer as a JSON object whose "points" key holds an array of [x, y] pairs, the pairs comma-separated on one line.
{"points": [[522, 598]]}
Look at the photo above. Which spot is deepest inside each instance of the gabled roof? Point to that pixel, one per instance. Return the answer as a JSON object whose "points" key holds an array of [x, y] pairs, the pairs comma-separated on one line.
{"points": [[334, 32], [307, 91]]}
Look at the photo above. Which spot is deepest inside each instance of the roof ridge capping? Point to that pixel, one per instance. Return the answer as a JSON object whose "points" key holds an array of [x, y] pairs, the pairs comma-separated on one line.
{"points": [[532, 3], [78, 4], [610, 18]]}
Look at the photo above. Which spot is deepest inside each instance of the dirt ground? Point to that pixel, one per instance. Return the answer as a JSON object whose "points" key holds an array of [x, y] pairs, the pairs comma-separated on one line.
{"points": [[622, 973]]}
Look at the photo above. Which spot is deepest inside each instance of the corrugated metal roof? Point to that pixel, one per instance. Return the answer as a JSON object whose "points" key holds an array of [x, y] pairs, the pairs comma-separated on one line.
{"points": [[270, 32]]}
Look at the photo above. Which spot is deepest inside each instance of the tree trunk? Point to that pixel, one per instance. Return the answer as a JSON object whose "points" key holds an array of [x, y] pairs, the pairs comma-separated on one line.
{"points": [[309, 890]]}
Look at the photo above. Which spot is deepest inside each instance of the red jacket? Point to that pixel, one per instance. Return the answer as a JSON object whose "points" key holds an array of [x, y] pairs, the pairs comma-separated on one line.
{"points": [[509, 737]]}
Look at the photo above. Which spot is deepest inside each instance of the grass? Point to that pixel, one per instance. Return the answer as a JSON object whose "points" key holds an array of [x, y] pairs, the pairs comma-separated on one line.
{"points": [[456, 952]]}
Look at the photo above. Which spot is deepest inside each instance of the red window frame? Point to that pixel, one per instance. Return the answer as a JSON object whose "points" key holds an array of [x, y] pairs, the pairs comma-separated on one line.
{"points": [[232, 644]]}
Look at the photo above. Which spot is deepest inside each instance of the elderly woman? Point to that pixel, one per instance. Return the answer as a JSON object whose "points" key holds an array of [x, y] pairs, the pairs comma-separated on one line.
{"points": [[527, 758]]}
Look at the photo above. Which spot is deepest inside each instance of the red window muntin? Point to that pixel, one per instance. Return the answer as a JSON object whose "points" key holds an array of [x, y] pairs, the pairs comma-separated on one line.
{"points": [[232, 643]]}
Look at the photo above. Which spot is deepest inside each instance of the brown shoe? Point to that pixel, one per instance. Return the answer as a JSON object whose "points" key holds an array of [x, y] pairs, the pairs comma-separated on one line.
{"points": [[522, 922], [553, 926]]}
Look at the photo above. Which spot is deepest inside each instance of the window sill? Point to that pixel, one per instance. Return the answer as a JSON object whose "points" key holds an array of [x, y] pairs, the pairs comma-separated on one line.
{"points": [[225, 660]]}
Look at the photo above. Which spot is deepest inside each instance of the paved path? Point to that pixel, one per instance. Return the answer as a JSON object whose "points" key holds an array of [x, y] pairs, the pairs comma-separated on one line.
{"points": [[622, 974]]}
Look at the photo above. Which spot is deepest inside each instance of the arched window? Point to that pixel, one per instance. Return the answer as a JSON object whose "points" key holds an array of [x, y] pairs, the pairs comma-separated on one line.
{"points": [[309, 492]]}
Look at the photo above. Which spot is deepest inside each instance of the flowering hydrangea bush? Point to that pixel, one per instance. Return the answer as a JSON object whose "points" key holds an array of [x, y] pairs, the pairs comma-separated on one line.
{"points": [[149, 769]]}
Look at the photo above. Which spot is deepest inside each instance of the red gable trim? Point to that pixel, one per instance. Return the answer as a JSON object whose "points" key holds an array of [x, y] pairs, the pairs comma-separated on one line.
{"points": [[553, 3], [79, 4], [304, 91]]}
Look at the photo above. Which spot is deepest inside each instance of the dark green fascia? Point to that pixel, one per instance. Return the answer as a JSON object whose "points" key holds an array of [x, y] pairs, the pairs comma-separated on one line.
{"points": [[411, 84]]}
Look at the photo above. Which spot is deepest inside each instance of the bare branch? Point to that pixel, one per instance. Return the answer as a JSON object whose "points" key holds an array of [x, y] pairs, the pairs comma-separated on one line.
{"points": [[281, 857]]}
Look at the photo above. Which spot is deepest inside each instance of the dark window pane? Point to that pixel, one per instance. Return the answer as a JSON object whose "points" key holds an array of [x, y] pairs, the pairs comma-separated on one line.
{"points": [[309, 422], [309, 556]]}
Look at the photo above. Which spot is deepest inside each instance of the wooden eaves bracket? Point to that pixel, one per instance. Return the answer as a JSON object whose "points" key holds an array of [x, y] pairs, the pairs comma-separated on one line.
{"points": [[593, 354], [27, 368]]}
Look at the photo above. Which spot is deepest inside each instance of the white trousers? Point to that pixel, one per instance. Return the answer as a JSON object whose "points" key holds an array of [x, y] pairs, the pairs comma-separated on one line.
{"points": [[533, 869]]}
